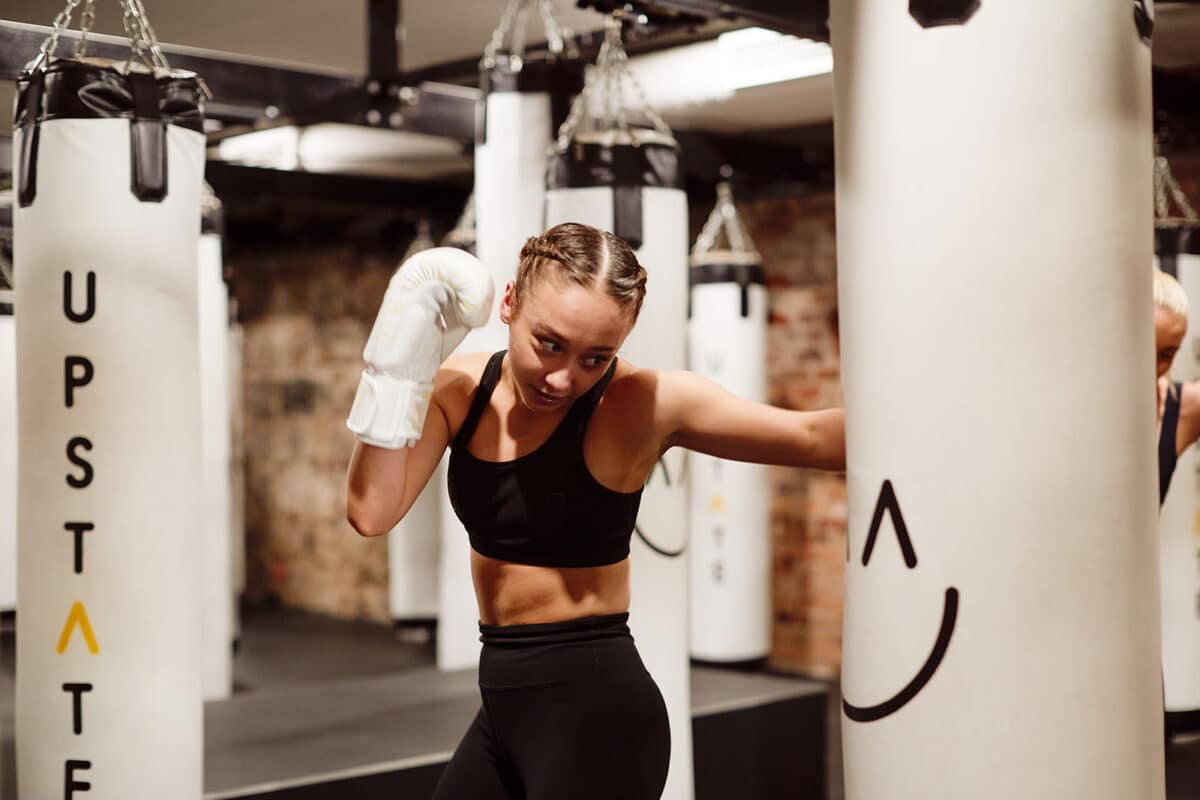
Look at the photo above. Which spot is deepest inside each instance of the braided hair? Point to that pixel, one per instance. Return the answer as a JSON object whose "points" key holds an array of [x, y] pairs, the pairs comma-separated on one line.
{"points": [[585, 256]]}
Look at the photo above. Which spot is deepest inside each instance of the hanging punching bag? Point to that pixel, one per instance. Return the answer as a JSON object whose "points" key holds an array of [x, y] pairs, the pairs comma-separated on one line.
{"points": [[730, 547], [8, 415], [1179, 520], [633, 191], [8, 455], [625, 179], [108, 164], [237, 467], [994, 224], [216, 484], [525, 98]]}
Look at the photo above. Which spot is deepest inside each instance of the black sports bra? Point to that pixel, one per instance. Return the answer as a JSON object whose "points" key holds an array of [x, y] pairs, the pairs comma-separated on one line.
{"points": [[543, 508], [1166, 440]]}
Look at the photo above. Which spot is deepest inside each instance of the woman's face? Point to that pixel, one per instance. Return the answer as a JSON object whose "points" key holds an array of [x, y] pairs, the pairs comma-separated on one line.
{"points": [[1169, 330], [560, 341]]}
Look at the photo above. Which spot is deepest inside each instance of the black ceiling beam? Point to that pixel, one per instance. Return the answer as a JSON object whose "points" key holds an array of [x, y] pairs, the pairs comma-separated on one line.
{"points": [[243, 189], [1177, 110], [383, 39], [802, 168], [808, 18], [247, 90]]}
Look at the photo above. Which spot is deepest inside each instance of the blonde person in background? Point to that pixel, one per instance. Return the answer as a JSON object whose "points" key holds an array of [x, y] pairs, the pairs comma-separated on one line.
{"points": [[1178, 403]]}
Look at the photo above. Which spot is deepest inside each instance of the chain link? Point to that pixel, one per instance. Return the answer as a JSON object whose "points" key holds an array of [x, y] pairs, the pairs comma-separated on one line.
{"points": [[1166, 189], [142, 40], [86, 21], [466, 222], [724, 218], [559, 38], [606, 88], [61, 21]]}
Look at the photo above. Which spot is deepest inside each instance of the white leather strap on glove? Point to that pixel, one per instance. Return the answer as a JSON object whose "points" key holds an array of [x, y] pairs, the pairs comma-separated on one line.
{"points": [[432, 300]]}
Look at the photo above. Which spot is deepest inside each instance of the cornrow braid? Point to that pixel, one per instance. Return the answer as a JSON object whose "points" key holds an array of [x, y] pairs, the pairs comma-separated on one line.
{"points": [[585, 256]]}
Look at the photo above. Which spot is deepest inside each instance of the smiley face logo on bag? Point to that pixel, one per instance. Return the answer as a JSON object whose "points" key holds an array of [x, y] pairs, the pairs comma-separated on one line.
{"points": [[672, 542], [887, 503]]}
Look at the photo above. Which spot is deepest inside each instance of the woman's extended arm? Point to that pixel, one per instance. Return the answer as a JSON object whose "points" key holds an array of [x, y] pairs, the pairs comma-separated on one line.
{"points": [[702, 416]]}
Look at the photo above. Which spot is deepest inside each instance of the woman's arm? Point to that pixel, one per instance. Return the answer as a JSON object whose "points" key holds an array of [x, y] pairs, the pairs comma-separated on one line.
{"points": [[1189, 416], [702, 416], [383, 484]]}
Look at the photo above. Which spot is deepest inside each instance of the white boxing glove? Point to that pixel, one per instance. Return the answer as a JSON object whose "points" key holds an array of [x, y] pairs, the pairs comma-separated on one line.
{"points": [[432, 300]]}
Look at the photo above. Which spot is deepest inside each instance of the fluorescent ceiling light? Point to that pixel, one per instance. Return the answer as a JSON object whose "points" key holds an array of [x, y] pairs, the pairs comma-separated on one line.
{"points": [[758, 56], [352, 149]]}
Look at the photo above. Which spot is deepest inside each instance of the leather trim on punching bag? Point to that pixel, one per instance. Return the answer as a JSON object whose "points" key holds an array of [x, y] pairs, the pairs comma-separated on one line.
{"points": [[627, 215], [1143, 20], [147, 141], [626, 168], [1189, 239], [29, 109], [559, 78], [936, 13], [69, 89], [1167, 246], [588, 164]]}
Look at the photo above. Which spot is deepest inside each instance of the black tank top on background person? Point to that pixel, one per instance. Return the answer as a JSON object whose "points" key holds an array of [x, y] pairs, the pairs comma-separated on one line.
{"points": [[543, 508], [1166, 440]]}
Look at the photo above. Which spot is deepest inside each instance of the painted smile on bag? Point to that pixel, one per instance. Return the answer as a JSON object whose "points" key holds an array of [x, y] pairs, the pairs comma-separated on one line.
{"points": [[888, 503], [657, 546]]}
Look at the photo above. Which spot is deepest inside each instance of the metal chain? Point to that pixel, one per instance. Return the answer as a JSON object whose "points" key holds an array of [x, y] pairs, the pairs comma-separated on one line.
{"points": [[724, 217], [151, 37], [134, 34], [497, 40], [61, 21], [86, 21], [142, 40], [1166, 188], [559, 38], [466, 221], [606, 86], [422, 240], [516, 54]]}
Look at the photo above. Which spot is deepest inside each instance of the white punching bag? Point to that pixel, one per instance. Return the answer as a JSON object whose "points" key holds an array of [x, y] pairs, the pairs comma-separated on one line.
{"points": [[8, 455], [216, 483], [8, 416], [521, 96], [1179, 520], [108, 165], [730, 544], [237, 468], [994, 217], [634, 192], [413, 543]]}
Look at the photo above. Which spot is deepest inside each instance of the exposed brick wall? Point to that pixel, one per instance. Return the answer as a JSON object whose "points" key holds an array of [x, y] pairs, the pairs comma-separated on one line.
{"points": [[306, 314], [796, 237]]}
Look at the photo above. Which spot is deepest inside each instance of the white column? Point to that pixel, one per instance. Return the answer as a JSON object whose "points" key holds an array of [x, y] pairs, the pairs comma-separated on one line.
{"points": [[994, 230]]}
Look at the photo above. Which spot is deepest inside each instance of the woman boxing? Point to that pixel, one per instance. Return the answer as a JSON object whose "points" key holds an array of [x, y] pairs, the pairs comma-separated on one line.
{"points": [[551, 442]]}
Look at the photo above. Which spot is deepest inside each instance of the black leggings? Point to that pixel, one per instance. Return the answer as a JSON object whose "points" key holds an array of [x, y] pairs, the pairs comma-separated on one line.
{"points": [[569, 711]]}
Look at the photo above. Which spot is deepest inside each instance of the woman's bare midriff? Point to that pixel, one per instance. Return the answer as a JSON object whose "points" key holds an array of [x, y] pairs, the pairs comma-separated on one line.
{"points": [[517, 594]]}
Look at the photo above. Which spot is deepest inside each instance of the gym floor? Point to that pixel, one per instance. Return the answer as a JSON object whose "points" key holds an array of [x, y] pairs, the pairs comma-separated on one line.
{"points": [[281, 647]]}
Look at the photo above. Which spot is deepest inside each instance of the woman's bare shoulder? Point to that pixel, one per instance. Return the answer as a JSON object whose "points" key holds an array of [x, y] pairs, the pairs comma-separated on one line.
{"points": [[456, 382], [636, 395]]}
